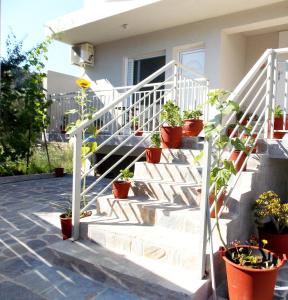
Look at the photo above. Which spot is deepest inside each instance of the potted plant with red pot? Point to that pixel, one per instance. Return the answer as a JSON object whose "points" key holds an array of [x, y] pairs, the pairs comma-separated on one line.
{"points": [[278, 122], [120, 188], [171, 131], [271, 216], [193, 125], [59, 172], [153, 153], [136, 126], [251, 270]]}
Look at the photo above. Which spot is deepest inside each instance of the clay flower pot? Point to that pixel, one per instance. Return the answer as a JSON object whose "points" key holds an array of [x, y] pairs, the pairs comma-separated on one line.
{"points": [[254, 135], [66, 226], [278, 125], [192, 127], [248, 283], [171, 137], [59, 172], [153, 155], [277, 243], [120, 189], [234, 156]]}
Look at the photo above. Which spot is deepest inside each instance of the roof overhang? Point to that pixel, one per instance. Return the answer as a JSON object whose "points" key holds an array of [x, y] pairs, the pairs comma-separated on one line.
{"points": [[105, 23]]}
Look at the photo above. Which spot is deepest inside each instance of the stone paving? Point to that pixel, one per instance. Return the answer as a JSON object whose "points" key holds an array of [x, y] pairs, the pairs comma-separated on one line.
{"points": [[24, 235]]}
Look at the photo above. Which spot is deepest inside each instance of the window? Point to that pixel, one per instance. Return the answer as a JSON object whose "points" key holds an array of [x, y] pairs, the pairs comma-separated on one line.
{"points": [[194, 59]]}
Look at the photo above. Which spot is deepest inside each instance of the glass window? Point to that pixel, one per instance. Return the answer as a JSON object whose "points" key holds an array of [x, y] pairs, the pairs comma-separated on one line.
{"points": [[194, 59]]}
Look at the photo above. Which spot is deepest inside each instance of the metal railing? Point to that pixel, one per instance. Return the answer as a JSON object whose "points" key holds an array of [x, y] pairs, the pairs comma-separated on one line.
{"points": [[144, 101], [257, 95]]}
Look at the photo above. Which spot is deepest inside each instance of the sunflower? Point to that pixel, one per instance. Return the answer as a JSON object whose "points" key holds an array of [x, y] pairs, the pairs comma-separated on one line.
{"points": [[83, 83]]}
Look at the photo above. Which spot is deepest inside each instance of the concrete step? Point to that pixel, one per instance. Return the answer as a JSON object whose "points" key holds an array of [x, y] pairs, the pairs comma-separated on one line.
{"points": [[149, 279], [181, 156], [139, 210], [168, 171], [185, 193]]}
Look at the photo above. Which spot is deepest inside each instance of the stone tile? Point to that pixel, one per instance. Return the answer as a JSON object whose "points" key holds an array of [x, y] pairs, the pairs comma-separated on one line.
{"points": [[36, 244], [12, 291], [13, 267], [113, 294]]}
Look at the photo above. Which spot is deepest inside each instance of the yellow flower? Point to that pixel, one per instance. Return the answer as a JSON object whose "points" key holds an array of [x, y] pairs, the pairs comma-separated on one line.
{"points": [[83, 83], [264, 242]]}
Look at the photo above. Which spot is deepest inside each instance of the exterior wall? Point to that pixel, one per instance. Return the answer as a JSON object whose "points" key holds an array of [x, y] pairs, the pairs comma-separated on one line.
{"points": [[220, 37], [60, 83], [257, 44], [233, 50]]}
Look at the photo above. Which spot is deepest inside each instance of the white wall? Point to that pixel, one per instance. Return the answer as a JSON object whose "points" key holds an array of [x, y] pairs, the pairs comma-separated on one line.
{"points": [[233, 57], [60, 83], [257, 44]]}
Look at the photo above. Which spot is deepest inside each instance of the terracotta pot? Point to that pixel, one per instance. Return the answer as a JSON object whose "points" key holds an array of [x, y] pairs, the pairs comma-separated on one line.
{"points": [[277, 243], [247, 283], [254, 135], [219, 203], [153, 155], [120, 189], [278, 125], [138, 133], [66, 227], [59, 172], [171, 137], [244, 122], [234, 156], [229, 130], [192, 127]]}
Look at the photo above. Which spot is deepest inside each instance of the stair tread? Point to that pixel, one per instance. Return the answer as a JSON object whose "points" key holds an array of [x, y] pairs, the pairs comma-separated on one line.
{"points": [[148, 270]]}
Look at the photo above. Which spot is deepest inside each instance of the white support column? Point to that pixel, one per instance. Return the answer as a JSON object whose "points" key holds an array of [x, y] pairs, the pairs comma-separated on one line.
{"points": [[76, 190], [285, 95], [269, 114]]}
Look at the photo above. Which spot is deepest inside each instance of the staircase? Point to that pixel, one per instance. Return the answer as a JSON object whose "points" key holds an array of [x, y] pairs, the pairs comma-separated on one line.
{"points": [[154, 243]]}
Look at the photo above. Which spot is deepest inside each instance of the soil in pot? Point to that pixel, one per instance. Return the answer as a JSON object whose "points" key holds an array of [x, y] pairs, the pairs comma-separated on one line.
{"points": [[234, 157], [192, 127], [277, 243], [153, 155], [171, 137], [248, 283], [66, 226], [120, 189], [59, 172]]}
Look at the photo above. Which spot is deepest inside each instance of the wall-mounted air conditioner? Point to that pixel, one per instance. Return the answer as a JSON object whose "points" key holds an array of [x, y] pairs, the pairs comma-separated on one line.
{"points": [[82, 54]]}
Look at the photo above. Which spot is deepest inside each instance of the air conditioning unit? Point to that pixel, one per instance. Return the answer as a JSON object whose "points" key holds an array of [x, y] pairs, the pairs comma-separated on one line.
{"points": [[82, 54]]}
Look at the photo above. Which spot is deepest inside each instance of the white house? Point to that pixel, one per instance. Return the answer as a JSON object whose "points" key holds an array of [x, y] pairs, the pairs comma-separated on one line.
{"points": [[221, 39]]}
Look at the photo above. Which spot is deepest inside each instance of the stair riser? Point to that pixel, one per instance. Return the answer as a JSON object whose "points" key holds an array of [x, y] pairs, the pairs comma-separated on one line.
{"points": [[180, 156], [172, 193], [135, 245], [169, 172], [115, 279]]}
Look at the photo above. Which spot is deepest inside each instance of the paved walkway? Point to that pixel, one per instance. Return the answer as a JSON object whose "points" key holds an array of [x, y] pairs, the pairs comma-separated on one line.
{"points": [[25, 231]]}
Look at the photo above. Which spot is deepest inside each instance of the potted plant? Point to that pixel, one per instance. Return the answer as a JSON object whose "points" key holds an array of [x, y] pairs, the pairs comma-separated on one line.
{"points": [[135, 126], [153, 153], [120, 188], [271, 216], [59, 172], [251, 271], [230, 129], [240, 151], [171, 132], [192, 123], [278, 122]]}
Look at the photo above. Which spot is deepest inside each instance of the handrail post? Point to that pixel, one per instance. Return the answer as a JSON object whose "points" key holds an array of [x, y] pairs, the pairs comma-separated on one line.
{"points": [[76, 190], [270, 103], [175, 83]]}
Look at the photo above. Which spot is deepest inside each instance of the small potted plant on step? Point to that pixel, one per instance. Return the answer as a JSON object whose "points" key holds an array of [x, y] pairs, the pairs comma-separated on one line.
{"points": [[153, 153], [59, 172], [136, 126], [278, 122], [271, 216], [120, 188], [171, 132], [193, 125]]}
